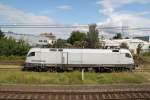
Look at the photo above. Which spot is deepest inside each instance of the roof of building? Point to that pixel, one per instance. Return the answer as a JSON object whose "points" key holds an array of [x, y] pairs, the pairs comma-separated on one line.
{"points": [[132, 43]]}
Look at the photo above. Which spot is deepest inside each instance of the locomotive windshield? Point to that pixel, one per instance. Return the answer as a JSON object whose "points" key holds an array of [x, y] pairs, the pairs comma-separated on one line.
{"points": [[31, 54], [128, 55]]}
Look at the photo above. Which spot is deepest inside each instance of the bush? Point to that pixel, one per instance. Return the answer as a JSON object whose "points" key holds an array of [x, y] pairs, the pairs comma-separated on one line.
{"points": [[9, 47], [146, 53], [124, 45], [72, 78], [12, 57]]}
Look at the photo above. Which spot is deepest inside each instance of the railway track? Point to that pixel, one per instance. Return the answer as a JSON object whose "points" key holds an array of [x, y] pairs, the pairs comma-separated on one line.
{"points": [[8, 69], [136, 70], [20, 68], [91, 93], [117, 95], [142, 70]]}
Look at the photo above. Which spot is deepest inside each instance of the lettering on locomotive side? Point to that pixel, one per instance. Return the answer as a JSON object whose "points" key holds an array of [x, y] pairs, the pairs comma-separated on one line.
{"points": [[38, 61]]}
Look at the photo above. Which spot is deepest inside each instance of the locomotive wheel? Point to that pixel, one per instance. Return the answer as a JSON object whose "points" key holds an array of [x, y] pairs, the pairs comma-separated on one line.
{"points": [[24, 69]]}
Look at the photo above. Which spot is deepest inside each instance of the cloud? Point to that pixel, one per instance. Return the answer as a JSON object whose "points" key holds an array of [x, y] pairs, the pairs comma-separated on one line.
{"points": [[109, 6], [12, 15], [115, 18], [126, 20], [17, 16], [64, 7], [143, 13]]}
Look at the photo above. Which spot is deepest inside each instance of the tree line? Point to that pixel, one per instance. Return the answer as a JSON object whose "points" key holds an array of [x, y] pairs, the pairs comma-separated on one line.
{"points": [[79, 39], [11, 47]]}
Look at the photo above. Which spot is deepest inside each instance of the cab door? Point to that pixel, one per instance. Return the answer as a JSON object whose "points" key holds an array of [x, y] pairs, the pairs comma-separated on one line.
{"points": [[65, 58]]}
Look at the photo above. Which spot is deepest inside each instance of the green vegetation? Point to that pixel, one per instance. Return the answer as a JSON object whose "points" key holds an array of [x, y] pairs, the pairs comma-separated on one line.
{"points": [[124, 45], [76, 36], [147, 54], [60, 43], [18, 77], [12, 57], [139, 48], [92, 37], [146, 58], [143, 57], [1, 34], [118, 36], [79, 39], [10, 49], [74, 78]]}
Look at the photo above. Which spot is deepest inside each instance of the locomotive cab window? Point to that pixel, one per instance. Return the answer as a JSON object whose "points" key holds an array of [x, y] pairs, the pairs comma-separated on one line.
{"points": [[31, 54], [128, 55]]}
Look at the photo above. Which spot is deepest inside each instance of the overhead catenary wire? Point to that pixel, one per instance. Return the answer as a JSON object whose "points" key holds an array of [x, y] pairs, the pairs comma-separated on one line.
{"points": [[41, 26], [30, 26]]}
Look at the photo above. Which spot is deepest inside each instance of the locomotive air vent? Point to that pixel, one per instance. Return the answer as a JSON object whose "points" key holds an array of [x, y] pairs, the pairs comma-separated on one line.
{"points": [[53, 49], [60, 49], [115, 50]]}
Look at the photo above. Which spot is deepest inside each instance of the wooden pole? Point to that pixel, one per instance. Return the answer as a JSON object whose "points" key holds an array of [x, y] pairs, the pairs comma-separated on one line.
{"points": [[82, 74]]}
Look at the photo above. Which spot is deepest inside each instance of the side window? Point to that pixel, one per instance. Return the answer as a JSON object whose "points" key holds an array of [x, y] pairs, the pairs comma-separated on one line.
{"points": [[40, 40], [45, 41], [31, 54], [128, 55]]}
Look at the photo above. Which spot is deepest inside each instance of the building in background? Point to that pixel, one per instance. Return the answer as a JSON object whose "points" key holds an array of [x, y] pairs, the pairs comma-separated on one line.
{"points": [[32, 40], [52, 38], [110, 44], [144, 38], [132, 44]]}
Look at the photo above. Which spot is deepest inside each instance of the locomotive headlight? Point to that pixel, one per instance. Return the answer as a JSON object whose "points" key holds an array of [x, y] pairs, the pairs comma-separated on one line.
{"points": [[131, 61]]}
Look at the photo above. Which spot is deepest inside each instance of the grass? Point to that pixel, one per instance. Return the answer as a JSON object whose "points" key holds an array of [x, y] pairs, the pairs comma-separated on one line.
{"points": [[71, 78], [146, 58], [12, 57], [10, 66], [74, 78]]}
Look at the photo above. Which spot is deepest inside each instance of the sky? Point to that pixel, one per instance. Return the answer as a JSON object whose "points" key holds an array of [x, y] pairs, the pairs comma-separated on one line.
{"points": [[106, 13]]}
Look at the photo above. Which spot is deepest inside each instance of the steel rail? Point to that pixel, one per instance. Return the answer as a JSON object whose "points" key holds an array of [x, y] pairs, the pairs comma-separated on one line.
{"points": [[75, 95]]}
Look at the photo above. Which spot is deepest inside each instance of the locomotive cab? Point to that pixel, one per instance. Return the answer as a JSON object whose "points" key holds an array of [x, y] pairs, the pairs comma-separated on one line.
{"points": [[33, 58]]}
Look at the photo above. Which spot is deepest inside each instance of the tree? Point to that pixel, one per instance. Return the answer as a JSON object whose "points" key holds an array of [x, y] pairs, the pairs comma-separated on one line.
{"points": [[92, 37], [1, 34], [80, 44], [124, 45], [139, 48], [77, 44], [118, 36], [9, 47], [148, 50], [60, 43], [127, 38], [23, 47], [76, 36]]}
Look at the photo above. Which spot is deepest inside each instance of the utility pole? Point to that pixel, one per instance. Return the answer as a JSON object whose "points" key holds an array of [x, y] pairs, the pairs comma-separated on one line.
{"points": [[83, 74], [122, 31]]}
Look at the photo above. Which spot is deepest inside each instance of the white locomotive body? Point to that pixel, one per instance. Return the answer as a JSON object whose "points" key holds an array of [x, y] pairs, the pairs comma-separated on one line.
{"points": [[71, 59]]}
